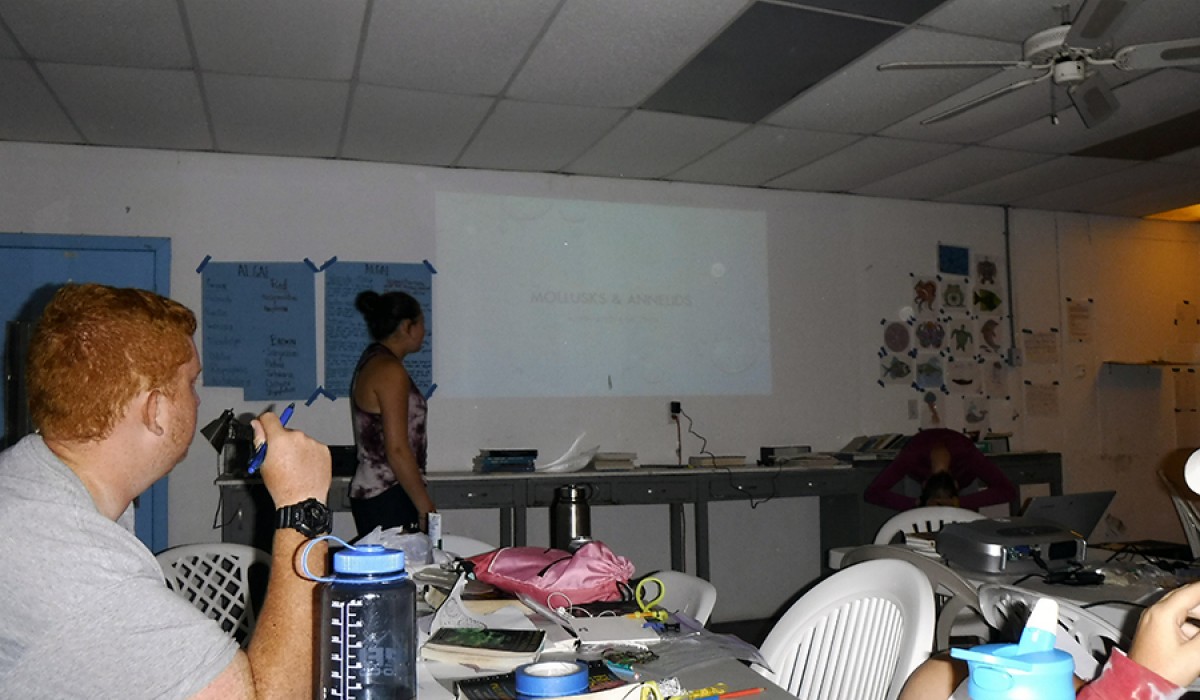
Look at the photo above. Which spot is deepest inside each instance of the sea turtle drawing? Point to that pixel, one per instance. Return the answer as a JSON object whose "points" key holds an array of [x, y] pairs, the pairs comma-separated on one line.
{"points": [[986, 269], [962, 337], [987, 300]]}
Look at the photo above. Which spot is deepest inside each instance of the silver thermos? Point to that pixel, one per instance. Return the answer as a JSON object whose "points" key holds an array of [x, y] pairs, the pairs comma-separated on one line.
{"points": [[570, 519]]}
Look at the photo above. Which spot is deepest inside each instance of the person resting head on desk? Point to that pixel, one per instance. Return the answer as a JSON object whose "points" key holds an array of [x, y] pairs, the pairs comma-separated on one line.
{"points": [[1162, 661], [937, 458], [112, 391]]}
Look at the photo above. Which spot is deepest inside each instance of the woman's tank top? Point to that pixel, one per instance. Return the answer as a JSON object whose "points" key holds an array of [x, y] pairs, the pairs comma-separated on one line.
{"points": [[374, 474]]}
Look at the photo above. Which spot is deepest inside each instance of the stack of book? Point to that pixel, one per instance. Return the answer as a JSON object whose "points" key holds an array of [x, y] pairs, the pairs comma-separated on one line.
{"points": [[614, 461], [707, 460], [488, 461], [493, 649]]}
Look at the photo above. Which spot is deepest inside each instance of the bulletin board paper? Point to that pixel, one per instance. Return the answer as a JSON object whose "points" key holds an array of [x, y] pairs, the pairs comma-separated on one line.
{"points": [[259, 329], [346, 331]]}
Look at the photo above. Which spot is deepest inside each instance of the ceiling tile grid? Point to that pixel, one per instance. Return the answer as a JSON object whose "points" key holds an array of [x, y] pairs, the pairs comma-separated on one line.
{"points": [[781, 94]]}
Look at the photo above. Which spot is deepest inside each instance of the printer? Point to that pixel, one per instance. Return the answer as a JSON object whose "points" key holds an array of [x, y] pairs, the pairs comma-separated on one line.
{"points": [[1009, 546]]}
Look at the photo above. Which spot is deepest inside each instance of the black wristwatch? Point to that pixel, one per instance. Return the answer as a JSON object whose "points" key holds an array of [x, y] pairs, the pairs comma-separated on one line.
{"points": [[311, 517]]}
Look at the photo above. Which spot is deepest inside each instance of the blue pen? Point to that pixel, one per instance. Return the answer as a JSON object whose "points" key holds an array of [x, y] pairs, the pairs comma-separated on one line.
{"points": [[261, 453]]}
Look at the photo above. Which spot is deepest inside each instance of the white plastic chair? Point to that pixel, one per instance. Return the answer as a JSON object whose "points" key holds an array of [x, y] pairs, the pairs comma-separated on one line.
{"points": [[857, 634], [690, 595], [216, 578], [464, 547], [925, 519], [1189, 518], [956, 599], [1086, 636]]}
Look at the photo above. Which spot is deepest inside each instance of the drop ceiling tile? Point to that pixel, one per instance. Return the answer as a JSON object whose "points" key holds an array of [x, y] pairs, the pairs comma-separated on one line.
{"points": [[1159, 20], [653, 144], [1040, 178], [528, 136], [283, 38], [763, 59], [906, 12], [136, 107], [862, 99], [861, 163], [8, 48], [1095, 194], [1156, 97], [278, 116], [34, 117], [459, 46], [1178, 192], [615, 53], [761, 154], [951, 173], [1009, 20], [406, 126], [133, 33]]}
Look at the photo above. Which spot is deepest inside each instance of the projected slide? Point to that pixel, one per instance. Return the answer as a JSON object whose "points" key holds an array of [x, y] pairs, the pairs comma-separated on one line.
{"points": [[546, 297]]}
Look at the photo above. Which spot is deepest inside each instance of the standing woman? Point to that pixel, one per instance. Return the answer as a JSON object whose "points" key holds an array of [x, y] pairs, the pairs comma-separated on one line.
{"points": [[388, 412]]}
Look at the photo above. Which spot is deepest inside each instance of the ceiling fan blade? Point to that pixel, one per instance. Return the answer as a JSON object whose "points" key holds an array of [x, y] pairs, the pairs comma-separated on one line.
{"points": [[922, 65], [983, 99], [1093, 100], [1097, 21], [1162, 54]]}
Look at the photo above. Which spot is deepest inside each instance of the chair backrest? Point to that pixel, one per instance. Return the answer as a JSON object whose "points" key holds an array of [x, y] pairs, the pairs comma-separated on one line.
{"points": [[857, 634], [924, 519], [465, 546], [1086, 636], [956, 599], [218, 579], [687, 594], [1189, 518]]}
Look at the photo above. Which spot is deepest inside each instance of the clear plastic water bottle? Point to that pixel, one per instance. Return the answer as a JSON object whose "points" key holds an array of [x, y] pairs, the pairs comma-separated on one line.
{"points": [[368, 626], [1032, 669]]}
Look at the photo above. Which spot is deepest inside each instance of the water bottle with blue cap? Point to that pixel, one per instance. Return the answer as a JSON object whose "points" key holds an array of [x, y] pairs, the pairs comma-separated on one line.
{"points": [[1031, 669], [368, 629]]}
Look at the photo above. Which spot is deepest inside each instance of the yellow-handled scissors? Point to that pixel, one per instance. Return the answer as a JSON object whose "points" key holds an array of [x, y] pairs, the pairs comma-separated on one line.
{"points": [[647, 606]]}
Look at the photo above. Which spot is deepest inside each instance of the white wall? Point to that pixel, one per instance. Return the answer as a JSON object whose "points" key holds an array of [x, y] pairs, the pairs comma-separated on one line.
{"points": [[837, 266]]}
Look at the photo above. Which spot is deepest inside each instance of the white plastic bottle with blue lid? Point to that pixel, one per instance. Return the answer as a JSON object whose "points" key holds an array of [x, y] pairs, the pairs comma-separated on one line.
{"points": [[1031, 669]]}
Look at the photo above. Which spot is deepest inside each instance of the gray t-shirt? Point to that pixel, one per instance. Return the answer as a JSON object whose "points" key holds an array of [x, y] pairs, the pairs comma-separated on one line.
{"points": [[84, 611]]}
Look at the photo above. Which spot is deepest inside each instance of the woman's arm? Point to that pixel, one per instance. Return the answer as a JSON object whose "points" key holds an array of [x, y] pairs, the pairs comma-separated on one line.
{"points": [[880, 492], [997, 488], [391, 388]]}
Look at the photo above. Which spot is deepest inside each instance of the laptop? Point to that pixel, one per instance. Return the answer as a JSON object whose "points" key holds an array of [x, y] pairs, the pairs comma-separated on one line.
{"points": [[1079, 512]]}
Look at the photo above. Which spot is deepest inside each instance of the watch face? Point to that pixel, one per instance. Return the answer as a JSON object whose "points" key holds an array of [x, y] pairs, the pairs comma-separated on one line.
{"points": [[316, 516]]}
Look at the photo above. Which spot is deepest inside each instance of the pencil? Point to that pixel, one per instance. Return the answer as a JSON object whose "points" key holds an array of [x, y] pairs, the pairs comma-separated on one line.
{"points": [[740, 693]]}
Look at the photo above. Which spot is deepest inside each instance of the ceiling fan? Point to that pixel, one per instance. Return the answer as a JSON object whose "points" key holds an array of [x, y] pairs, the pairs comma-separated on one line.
{"points": [[1069, 55]]}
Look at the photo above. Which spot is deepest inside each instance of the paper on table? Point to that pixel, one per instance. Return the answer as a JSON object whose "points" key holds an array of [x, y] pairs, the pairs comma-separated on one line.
{"points": [[428, 687], [573, 459], [452, 613]]}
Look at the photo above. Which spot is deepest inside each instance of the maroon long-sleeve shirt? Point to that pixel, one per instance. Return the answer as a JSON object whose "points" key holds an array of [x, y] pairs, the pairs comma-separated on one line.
{"points": [[967, 464]]}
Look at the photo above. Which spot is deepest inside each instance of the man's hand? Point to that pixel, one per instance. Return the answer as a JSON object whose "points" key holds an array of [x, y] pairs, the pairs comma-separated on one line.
{"points": [[1166, 641], [297, 467]]}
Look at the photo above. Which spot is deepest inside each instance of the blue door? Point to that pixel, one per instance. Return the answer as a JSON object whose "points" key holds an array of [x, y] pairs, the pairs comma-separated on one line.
{"points": [[32, 266]]}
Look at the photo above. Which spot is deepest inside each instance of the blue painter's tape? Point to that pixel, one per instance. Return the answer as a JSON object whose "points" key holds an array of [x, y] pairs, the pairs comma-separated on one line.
{"points": [[319, 391], [430, 266], [311, 265], [552, 679], [432, 388], [203, 263], [329, 262]]}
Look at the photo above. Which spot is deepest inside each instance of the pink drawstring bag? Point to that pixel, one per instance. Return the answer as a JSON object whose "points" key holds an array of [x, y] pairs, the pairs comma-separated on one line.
{"points": [[554, 577]]}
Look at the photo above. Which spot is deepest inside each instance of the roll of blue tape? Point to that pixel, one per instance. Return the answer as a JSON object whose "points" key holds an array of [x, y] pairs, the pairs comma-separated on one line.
{"points": [[552, 679]]}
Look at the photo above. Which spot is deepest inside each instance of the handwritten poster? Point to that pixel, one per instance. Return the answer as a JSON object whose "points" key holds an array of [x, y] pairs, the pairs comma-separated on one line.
{"points": [[346, 331], [259, 329], [1041, 348]]}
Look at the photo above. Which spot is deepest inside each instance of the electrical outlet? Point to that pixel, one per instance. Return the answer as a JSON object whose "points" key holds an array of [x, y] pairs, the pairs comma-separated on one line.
{"points": [[676, 408]]}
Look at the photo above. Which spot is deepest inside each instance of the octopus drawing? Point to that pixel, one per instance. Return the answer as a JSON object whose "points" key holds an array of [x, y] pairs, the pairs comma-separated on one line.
{"points": [[924, 294]]}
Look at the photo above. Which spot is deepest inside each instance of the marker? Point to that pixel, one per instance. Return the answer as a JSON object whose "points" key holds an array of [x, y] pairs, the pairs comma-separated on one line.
{"points": [[261, 453]]}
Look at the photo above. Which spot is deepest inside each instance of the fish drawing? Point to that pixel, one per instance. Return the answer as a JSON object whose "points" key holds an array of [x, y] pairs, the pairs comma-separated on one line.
{"points": [[987, 300], [896, 369]]}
